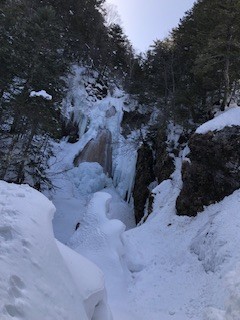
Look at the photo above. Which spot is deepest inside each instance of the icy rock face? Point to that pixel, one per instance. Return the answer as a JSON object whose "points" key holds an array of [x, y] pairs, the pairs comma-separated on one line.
{"points": [[98, 150], [94, 126], [213, 171]]}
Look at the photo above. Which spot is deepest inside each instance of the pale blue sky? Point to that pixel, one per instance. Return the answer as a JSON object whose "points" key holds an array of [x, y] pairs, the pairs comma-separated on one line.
{"points": [[148, 20]]}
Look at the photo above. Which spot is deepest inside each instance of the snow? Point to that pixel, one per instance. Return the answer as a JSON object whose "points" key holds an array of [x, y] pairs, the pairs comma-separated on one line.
{"points": [[170, 267], [89, 178], [42, 93], [229, 118], [91, 286], [179, 264], [100, 240], [39, 278]]}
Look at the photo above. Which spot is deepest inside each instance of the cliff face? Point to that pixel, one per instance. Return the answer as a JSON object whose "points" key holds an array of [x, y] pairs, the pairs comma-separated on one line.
{"points": [[144, 176], [164, 165], [213, 171], [153, 164]]}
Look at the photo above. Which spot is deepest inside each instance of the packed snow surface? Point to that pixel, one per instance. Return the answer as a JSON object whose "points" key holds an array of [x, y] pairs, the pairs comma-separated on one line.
{"points": [[41, 93], [229, 118], [39, 277]]}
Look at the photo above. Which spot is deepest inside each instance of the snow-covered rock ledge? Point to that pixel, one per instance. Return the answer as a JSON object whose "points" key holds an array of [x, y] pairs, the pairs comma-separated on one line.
{"points": [[39, 277], [213, 167]]}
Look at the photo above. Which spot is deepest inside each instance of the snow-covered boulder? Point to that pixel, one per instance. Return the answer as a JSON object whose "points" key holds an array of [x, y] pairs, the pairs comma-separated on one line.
{"points": [[39, 278]]}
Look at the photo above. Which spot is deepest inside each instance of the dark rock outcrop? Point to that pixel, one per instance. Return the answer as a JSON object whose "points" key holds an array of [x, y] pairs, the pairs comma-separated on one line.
{"points": [[144, 176], [70, 129], [213, 171], [164, 165], [98, 150], [133, 120], [98, 90]]}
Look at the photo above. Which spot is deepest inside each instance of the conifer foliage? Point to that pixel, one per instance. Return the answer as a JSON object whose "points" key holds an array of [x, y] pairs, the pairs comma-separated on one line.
{"points": [[185, 75], [40, 39], [197, 66]]}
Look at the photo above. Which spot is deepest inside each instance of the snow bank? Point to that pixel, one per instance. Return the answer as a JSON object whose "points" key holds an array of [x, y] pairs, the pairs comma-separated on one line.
{"points": [[232, 309], [90, 282], [40, 279], [229, 118], [100, 240], [42, 93]]}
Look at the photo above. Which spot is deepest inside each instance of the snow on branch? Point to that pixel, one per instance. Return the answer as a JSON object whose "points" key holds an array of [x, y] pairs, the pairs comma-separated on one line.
{"points": [[41, 93]]}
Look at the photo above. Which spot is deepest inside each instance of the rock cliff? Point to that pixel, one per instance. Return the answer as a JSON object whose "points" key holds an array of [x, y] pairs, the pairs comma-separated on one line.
{"points": [[213, 171]]}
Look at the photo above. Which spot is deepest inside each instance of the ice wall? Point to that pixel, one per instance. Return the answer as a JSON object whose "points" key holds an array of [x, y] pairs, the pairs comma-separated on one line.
{"points": [[99, 120]]}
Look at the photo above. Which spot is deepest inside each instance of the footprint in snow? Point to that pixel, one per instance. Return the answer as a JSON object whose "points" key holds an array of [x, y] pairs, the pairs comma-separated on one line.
{"points": [[6, 233], [16, 287], [15, 291]]}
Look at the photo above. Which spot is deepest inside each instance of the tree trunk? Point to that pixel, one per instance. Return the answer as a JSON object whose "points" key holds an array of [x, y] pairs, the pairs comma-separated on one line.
{"points": [[165, 83], [227, 84], [173, 89], [20, 175]]}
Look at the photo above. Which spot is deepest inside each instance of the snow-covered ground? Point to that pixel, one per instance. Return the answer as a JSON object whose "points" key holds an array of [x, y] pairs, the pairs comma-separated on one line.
{"points": [[180, 264]]}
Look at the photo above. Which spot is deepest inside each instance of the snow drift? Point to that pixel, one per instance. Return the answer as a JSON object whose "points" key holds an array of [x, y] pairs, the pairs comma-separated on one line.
{"points": [[39, 278]]}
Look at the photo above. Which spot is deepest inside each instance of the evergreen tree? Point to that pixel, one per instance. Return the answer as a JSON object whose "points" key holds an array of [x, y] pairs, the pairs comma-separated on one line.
{"points": [[40, 40]]}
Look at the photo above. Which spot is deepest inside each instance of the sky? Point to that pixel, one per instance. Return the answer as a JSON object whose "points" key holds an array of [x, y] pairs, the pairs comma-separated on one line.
{"points": [[147, 20]]}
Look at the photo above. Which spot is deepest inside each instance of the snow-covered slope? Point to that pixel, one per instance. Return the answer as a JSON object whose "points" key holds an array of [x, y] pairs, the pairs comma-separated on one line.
{"points": [[179, 264], [39, 278], [228, 118]]}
